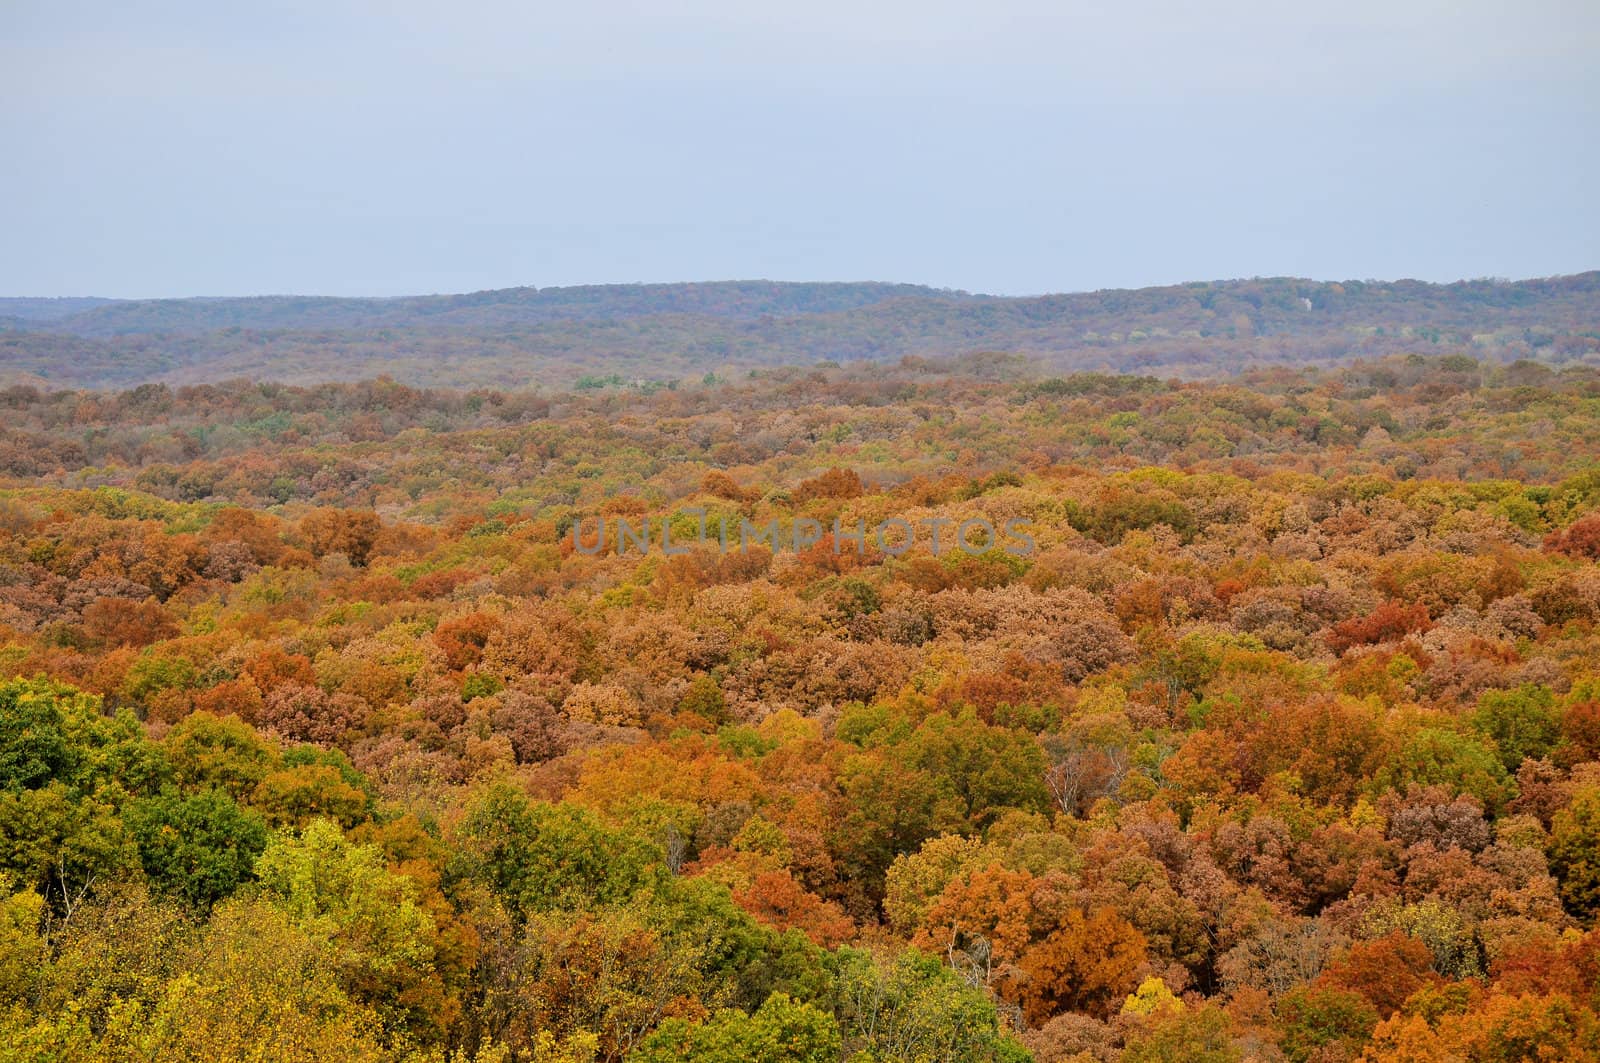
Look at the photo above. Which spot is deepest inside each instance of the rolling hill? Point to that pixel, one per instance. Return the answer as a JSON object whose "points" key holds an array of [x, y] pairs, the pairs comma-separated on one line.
{"points": [[555, 337]]}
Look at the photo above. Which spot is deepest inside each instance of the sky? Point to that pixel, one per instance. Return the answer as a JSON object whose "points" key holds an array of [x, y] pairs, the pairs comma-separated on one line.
{"points": [[387, 147]]}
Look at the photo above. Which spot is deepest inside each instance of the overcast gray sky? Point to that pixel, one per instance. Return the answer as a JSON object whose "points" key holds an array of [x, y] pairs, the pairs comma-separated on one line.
{"points": [[1011, 146]]}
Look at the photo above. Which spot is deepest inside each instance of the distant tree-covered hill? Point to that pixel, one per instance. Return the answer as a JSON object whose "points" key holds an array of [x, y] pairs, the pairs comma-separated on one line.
{"points": [[48, 309], [556, 337], [505, 307]]}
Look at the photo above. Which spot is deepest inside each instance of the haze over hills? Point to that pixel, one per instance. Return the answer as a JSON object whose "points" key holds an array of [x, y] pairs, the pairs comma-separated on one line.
{"points": [[47, 309], [486, 309], [556, 337]]}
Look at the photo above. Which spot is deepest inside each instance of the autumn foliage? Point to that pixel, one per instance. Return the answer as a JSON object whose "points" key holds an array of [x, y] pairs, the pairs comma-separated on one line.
{"points": [[319, 739]]}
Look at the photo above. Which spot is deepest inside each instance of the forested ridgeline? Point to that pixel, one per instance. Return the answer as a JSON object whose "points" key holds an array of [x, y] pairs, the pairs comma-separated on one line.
{"points": [[554, 337], [327, 742]]}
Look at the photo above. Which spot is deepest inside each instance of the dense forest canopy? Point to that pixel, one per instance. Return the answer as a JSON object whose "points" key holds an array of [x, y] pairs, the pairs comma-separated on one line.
{"points": [[553, 337], [325, 742]]}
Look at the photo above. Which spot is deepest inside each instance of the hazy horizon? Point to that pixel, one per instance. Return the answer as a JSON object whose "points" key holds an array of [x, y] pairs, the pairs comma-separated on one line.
{"points": [[802, 280], [177, 148]]}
